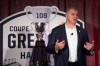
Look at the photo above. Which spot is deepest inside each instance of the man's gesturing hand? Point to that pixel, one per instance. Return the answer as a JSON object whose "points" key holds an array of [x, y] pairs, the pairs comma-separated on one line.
{"points": [[59, 45], [89, 46]]}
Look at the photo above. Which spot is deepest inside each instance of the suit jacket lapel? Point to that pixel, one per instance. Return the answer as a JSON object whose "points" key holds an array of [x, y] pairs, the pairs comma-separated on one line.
{"points": [[79, 35], [64, 33]]}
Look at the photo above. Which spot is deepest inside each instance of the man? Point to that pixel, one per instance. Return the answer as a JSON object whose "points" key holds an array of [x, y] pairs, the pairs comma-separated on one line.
{"points": [[69, 42]]}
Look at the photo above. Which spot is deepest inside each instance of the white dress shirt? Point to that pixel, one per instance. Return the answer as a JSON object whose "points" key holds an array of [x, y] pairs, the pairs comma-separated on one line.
{"points": [[72, 43]]}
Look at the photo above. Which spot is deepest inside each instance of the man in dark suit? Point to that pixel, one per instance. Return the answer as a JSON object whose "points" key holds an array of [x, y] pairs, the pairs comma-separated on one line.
{"points": [[69, 43]]}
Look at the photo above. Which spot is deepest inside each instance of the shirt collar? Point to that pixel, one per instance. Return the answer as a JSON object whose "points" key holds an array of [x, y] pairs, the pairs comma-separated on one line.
{"points": [[69, 28]]}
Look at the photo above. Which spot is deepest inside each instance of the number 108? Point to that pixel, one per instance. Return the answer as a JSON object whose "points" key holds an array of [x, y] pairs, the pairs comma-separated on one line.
{"points": [[41, 15]]}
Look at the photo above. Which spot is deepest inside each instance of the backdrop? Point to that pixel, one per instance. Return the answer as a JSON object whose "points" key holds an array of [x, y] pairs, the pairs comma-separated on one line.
{"points": [[89, 12]]}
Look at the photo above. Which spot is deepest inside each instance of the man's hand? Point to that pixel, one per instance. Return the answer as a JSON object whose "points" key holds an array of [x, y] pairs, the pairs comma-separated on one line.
{"points": [[89, 46], [59, 45]]}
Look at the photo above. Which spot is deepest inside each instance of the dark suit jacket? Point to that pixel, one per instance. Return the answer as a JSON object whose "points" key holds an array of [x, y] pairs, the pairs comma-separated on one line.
{"points": [[61, 58]]}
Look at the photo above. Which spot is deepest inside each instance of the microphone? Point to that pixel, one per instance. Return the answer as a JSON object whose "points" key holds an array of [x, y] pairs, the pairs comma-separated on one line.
{"points": [[71, 34]]}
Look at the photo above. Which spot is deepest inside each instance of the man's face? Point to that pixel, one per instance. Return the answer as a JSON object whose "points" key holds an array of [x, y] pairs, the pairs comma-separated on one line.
{"points": [[72, 16]]}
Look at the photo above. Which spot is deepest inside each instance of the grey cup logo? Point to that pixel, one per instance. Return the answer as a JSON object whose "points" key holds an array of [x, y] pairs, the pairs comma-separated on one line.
{"points": [[41, 17]]}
